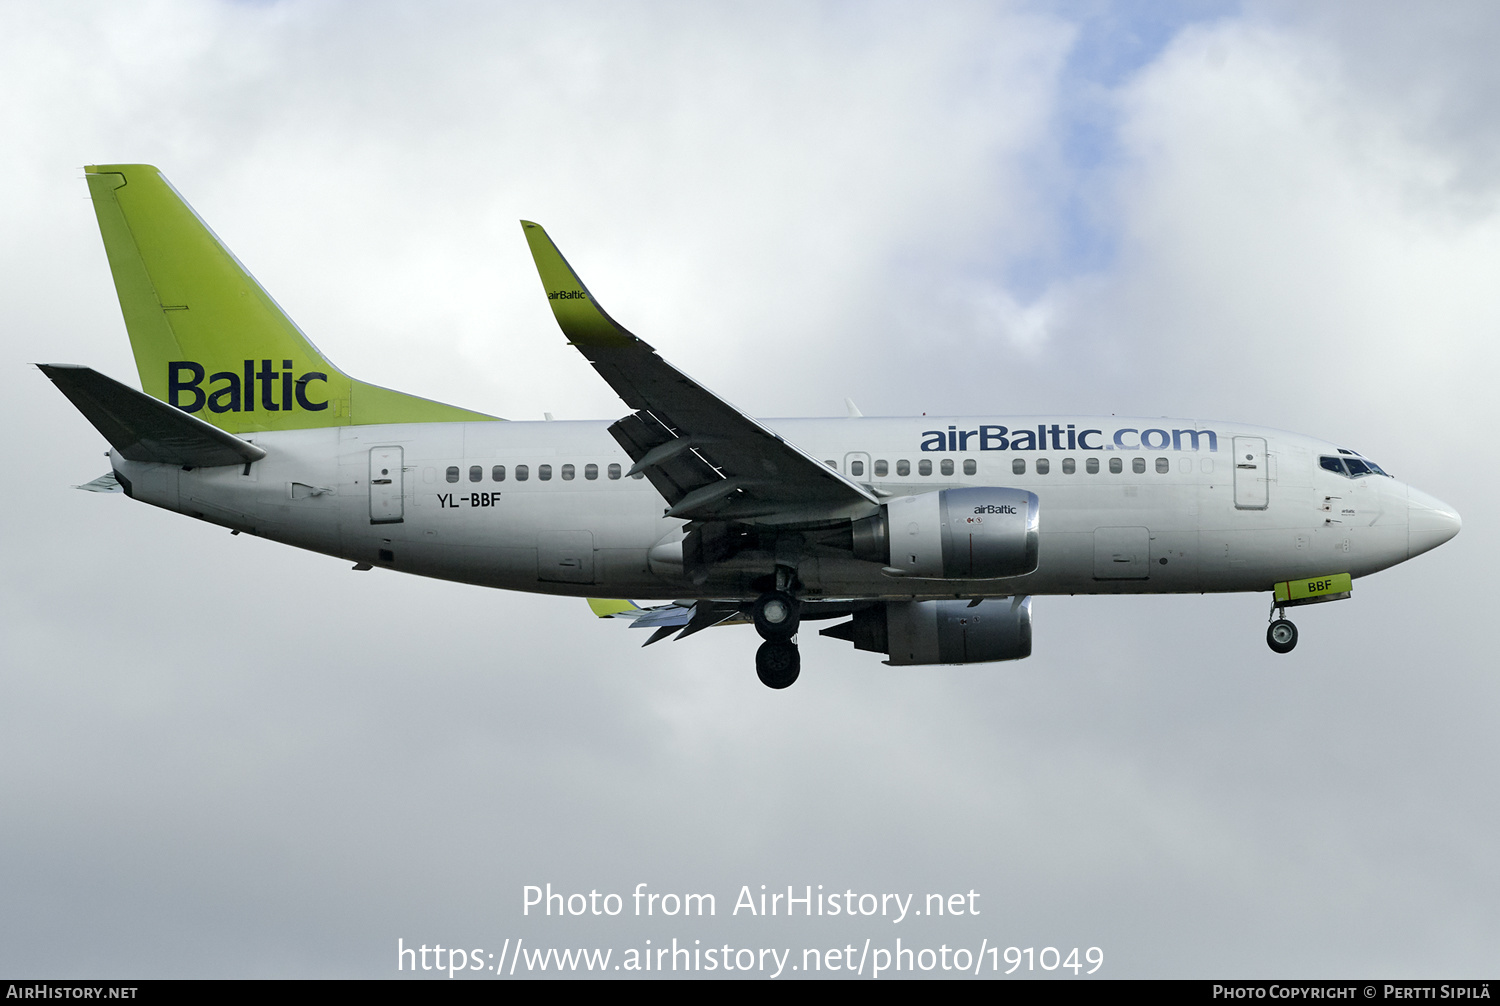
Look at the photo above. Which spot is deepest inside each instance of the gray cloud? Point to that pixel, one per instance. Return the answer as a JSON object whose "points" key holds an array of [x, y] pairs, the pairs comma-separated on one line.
{"points": [[225, 757]]}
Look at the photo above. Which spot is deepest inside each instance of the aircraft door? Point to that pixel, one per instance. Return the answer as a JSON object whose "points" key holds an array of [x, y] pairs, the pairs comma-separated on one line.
{"points": [[386, 505], [1122, 553], [1251, 479], [565, 556]]}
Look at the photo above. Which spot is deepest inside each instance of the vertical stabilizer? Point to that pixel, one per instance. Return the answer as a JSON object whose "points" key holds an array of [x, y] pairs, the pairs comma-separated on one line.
{"points": [[207, 337]]}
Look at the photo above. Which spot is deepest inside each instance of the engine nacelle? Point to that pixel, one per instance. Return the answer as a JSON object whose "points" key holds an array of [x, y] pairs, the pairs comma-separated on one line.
{"points": [[977, 533], [942, 632]]}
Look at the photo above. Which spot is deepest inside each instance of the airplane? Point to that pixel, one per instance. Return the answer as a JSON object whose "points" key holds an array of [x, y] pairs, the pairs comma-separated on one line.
{"points": [[927, 537]]}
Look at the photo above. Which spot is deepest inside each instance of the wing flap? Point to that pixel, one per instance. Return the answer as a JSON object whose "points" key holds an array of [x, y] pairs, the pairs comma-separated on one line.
{"points": [[143, 428]]}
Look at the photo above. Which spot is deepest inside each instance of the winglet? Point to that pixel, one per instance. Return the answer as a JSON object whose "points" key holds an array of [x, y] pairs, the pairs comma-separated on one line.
{"points": [[582, 320], [609, 608]]}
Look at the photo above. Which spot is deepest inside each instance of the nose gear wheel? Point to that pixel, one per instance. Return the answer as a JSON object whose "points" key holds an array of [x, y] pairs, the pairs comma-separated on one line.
{"points": [[1281, 636]]}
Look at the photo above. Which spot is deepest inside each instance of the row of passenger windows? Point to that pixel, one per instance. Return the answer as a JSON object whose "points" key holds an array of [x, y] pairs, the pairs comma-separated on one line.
{"points": [[924, 467], [1017, 466], [543, 472], [882, 469]]}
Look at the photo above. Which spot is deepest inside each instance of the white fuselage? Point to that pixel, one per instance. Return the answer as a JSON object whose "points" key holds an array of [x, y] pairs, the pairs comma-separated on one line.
{"points": [[1126, 505]]}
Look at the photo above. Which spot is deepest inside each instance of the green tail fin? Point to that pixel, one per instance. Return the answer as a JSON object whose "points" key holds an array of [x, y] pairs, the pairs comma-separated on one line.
{"points": [[207, 338]]}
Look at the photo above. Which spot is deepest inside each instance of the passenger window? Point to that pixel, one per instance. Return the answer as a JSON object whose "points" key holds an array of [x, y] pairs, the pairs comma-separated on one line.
{"points": [[614, 471], [1069, 466], [1163, 466], [476, 473], [924, 467], [1043, 466], [947, 466], [1138, 465], [591, 472], [1207, 466], [544, 472], [453, 473], [1116, 466], [970, 466], [497, 473], [856, 468], [638, 476], [1092, 466], [882, 469], [1018, 466], [903, 467], [567, 473], [522, 473], [832, 464]]}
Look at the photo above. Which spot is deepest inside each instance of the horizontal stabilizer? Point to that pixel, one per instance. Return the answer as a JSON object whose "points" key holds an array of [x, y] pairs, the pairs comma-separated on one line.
{"points": [[106, 483], [143, 428], [605, 607]]}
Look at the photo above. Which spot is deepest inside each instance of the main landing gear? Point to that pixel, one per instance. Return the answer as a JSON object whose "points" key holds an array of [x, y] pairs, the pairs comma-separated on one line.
{"points": [[777, 664], [776, 615]]}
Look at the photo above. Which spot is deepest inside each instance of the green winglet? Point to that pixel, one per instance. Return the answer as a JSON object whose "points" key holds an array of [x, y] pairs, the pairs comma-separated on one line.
{"points": [[609, 608], [207, 337], [580, 317]]}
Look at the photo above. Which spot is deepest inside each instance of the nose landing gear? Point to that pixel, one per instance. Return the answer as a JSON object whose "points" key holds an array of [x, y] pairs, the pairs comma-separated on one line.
{"points": [[1281, 636]]}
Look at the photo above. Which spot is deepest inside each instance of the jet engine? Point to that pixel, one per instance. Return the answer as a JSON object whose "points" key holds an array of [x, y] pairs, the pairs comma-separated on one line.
{"points": [[976, 533], [942, 632]]}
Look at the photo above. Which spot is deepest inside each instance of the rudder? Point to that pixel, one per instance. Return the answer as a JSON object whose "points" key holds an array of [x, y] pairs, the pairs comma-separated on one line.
{"points": [[207, 337]]}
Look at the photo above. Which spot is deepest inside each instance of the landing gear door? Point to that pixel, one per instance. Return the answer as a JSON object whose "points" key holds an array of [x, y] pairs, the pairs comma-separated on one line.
{"points": [[386, 486], [1251, 478]]}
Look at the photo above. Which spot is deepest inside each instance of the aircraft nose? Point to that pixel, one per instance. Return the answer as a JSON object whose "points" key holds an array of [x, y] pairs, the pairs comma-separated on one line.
{"points": [[1429, 522]]}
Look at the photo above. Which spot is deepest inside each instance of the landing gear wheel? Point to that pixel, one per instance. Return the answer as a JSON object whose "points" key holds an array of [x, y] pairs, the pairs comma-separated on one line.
{"points": [[776, 617], [777, 664], [1281, 636]]}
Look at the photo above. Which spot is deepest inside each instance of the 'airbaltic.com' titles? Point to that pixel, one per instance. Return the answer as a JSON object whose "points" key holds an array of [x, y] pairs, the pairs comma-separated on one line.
{"points": [[922, 539]]}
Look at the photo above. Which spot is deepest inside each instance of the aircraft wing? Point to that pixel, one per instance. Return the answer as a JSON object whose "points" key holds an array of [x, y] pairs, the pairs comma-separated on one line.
{"points": [[709, 460]]}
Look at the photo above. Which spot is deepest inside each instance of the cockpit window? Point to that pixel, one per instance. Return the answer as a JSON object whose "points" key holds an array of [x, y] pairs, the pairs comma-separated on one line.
{"points": [[1350, 467]]}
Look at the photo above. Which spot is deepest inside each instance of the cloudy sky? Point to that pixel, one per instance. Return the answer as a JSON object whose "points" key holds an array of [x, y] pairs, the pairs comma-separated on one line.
{"points": [[223, 757]]}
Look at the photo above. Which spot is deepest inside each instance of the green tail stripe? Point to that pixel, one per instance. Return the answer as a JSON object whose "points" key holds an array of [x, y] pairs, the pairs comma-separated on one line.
{"points": [[208, 338]]}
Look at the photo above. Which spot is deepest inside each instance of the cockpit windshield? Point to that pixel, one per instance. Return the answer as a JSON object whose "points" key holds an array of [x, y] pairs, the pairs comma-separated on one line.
{"points": [[1350, 467]]}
